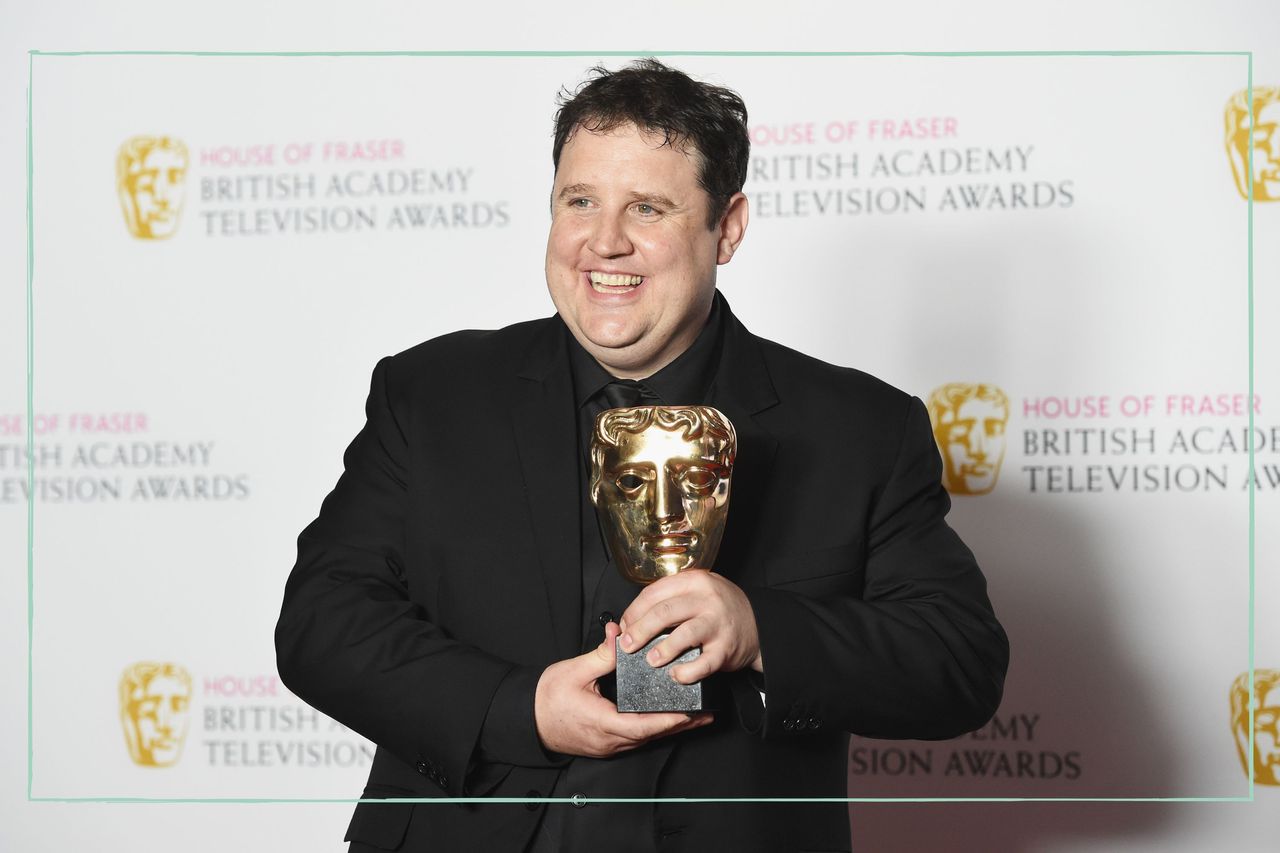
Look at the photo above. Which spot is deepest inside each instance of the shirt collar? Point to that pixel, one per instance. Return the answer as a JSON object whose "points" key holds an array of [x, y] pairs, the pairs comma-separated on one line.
{"points": [[685, 381]]}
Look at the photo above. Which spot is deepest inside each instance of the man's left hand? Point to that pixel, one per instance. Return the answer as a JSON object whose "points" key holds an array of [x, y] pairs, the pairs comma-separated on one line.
{"points": [[707, 610]]}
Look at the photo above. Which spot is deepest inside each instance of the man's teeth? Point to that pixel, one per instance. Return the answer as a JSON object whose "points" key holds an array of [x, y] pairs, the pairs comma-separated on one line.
{"points": [[603, 281]]}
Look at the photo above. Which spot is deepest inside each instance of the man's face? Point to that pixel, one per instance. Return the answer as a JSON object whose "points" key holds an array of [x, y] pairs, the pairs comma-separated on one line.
{"points": [[156, 190], [160, 718], [974, 443], [631, 264], [664, 500]]}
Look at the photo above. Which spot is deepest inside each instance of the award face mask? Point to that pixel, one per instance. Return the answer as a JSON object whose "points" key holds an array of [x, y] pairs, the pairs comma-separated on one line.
{"points": [[660, 480]]}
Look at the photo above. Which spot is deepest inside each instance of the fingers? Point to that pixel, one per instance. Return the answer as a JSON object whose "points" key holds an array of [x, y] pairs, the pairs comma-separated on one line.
{"points": [[705, 664], [600, 731], [701, 609], [687, 635], [634, 730], [665, 603], [571, 717], [601, 660]]}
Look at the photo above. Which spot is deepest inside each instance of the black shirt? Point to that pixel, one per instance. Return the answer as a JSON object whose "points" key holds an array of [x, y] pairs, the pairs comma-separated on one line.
{"points": [[688, 380]]}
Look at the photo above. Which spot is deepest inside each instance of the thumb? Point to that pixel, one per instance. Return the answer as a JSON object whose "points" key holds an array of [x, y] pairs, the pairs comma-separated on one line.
{"points": [[603, 658]]}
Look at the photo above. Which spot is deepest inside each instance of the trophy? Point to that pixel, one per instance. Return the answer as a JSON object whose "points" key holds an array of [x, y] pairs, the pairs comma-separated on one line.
{"points": [[660, 483]]}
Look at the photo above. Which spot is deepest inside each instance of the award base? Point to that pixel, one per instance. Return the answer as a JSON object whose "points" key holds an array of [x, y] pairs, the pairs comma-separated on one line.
{"points": [[642, 688]]}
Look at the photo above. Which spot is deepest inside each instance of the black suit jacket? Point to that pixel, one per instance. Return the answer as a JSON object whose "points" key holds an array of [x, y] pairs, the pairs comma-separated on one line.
{"points": [[446, 559]]}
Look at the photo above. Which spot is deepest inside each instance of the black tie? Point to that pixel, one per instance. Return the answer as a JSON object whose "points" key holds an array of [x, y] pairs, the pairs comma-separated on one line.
{"points": [[625, 393]]}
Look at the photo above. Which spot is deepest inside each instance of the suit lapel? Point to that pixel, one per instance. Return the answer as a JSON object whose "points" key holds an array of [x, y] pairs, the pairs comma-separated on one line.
{"points": [[743, 390], [545, 428]]}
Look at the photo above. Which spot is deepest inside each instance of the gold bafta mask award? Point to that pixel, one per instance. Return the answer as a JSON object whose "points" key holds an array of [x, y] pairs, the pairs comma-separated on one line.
{"points": [[660, 479]]}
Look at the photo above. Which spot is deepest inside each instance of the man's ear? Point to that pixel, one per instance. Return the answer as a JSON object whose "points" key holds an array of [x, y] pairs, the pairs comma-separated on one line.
{"points": [[733, 227]]}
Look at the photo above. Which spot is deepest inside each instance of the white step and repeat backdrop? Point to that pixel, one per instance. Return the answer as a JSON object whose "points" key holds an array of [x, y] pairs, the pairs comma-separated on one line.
{"points": [[1056, 246]]}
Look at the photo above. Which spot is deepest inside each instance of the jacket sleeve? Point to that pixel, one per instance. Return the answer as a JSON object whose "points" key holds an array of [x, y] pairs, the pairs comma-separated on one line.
{"points": [[917, 652], [353, 643]]}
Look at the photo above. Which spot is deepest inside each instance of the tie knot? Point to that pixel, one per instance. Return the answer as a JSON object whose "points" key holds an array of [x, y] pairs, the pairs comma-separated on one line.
{"points": [[625, 393]]}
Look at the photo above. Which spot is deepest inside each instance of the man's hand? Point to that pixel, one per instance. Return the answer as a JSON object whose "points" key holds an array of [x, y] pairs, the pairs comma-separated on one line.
{"points": [[708, 610], [574, 719]]}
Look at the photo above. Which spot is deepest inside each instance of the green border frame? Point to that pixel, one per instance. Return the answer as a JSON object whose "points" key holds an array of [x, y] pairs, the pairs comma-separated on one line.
{"points": [[30, 437]]}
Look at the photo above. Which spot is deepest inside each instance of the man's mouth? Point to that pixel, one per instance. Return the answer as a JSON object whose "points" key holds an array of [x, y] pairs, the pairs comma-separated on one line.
{"points": [[605, 282]]}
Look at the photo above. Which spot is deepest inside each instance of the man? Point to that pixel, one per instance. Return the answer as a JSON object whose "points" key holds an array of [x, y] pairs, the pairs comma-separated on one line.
{"points": [[454, 601]]}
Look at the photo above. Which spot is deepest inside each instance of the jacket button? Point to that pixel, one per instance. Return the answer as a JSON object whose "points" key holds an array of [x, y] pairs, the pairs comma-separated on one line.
{"points": [[605, 617], [579, 800], [815, 723], [533, 807], [788, 724], [422, 768], [442, 780]]}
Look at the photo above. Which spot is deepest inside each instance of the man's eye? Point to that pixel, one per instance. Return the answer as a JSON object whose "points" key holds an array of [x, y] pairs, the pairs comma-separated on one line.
{"points": [[630, 482], [646, 209], [580, 202]]}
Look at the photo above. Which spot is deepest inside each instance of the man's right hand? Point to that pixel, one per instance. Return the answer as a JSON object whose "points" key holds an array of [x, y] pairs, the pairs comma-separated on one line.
{"points": [[574, 719]]}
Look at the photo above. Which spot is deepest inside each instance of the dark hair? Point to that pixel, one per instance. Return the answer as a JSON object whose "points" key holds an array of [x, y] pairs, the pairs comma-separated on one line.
{"points": [[710, 120]]}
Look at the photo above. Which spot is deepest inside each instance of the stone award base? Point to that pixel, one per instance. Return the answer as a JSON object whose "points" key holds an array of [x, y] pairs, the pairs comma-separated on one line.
{"points": [[643, 688]]}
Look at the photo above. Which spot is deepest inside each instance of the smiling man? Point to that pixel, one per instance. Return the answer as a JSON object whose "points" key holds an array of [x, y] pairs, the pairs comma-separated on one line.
{"points": [[455, 601], [631, 260]]}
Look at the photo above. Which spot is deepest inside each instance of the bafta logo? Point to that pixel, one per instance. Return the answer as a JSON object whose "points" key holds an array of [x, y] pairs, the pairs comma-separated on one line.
{"points": [[1265, 702], [969, 425], [1255, 126], [154, 701], [151, 176]]}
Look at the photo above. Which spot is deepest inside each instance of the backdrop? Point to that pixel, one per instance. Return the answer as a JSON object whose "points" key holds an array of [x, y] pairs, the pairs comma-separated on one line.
{"points": [[1054, 251]]}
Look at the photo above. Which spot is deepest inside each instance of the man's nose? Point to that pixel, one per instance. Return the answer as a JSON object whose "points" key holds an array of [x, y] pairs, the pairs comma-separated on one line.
{"points": [[609, 237], [667, 505]]}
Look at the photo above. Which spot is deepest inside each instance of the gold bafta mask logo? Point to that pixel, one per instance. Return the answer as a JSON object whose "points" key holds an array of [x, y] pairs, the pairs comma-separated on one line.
{"points": [[154, 701], [660, 479], [1265, 702], [151, 179], [969, 425], [1255, 126]]}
